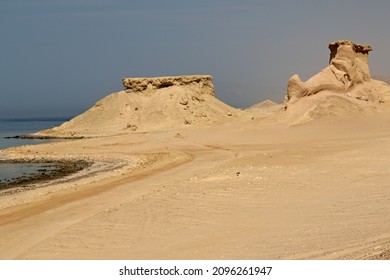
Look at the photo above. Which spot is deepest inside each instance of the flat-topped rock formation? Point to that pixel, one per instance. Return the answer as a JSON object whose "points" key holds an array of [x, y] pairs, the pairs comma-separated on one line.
{"points": [[205, 82], [149, 104]]}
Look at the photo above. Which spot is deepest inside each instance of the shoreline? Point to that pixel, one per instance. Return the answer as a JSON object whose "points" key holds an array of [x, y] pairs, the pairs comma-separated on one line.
{"points": [[62, 168], [44, 137], [79, 170]]}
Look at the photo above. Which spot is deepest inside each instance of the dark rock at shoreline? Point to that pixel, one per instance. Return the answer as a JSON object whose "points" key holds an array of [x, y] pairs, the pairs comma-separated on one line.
{"points": [[62, 169], [40, 137]]}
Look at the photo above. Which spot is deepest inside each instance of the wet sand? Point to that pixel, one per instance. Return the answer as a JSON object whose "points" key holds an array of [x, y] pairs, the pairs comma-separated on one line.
{"points": [[30, 174]]}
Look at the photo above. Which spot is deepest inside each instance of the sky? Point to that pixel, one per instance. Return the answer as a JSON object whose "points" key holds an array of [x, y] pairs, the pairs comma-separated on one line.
{"points": [[59, 57]]}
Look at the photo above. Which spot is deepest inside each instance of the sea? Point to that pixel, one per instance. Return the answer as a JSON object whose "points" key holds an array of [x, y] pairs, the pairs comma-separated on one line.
{"points": [[11, 127]]}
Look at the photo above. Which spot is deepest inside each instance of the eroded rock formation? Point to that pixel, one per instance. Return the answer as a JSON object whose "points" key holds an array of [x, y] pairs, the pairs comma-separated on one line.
{"points": [[151, 104], [348, 68], [205, 83]]}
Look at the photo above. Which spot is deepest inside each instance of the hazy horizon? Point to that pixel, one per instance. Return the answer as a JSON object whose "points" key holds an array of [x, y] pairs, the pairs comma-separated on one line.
{"points": [[60, 57]]}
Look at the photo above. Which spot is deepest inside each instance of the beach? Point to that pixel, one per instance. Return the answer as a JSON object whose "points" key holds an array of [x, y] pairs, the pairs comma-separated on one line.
{"points": [[14, 132], [187, 139], [254, 189]]}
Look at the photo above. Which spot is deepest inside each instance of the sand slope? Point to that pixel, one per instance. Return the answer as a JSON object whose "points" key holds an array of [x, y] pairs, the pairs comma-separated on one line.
{"points": [[252, 190], [385, 79], [264, 108], [149, 110]]}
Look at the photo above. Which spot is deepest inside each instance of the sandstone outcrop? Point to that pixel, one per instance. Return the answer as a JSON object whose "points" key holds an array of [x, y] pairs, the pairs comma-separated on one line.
{"points": [[204, 82], [348, 73], [150, 104]]}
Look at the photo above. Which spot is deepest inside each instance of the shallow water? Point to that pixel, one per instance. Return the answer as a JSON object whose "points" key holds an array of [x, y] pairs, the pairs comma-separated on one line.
{"points": [[10, 171], [14, 127]]}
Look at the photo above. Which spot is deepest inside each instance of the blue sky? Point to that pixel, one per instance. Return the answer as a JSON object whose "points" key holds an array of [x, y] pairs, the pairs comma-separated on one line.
{"points": [[58, 57]]}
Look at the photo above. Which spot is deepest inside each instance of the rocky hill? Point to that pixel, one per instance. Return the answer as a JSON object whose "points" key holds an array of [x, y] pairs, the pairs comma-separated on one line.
{"points": [[343, 88], [148, 104]]}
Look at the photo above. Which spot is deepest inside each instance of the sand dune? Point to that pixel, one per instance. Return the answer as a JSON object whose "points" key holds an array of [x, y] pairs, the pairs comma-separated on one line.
{"points": [[264, 108]]}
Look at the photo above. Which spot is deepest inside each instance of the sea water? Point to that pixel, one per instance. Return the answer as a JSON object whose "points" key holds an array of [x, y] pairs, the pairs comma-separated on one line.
{"points": [[14, 127]]}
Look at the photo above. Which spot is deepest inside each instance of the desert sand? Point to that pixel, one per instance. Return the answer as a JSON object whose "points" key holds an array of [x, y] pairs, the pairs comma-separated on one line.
{"points": [[185, 176]]}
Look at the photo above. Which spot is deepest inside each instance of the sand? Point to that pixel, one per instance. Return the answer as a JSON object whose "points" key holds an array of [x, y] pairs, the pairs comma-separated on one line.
{"points": [[186, 105], [261, 188]]}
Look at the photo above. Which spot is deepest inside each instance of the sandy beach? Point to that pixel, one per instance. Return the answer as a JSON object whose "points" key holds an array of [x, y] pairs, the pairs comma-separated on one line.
{"points": [[257, 189], [194, 138]]}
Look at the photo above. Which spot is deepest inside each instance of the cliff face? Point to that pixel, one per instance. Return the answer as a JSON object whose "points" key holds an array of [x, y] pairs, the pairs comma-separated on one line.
{"points": [[204, 83], [348, 74]]}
